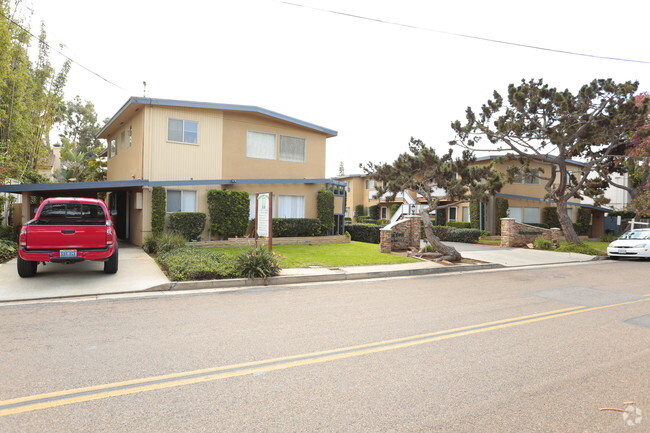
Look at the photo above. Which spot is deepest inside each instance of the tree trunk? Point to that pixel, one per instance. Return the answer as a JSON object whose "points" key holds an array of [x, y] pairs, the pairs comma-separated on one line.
{"points": [[566, 223], [448, 253]]}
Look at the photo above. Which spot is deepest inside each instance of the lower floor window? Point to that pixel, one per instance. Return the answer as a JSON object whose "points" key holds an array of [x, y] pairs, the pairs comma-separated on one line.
{"points": [[452, 213], [181, 201], [465, 211], [524, 214], [291, 206], [384, 211]]}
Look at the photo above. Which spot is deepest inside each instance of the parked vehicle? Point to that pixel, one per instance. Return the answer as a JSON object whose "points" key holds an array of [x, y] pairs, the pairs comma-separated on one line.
{"points": [[68, 230], [635, 243]]}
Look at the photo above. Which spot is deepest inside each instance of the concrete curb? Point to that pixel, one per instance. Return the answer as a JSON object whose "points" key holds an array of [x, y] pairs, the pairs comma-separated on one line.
{"points": [[297, 279]]}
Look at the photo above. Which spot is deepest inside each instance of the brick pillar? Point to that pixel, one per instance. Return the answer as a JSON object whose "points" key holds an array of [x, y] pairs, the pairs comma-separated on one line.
{"points": [[555, 236], [413, 233], [507, 232], [385, 241]]}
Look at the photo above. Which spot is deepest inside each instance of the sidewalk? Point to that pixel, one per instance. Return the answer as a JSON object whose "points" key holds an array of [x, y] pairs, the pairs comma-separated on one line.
{"points": [[516, 256]]}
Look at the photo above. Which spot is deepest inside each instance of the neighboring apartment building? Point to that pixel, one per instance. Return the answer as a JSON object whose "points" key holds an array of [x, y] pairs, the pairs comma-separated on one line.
{"points": [[191, 147], [526, 199]]}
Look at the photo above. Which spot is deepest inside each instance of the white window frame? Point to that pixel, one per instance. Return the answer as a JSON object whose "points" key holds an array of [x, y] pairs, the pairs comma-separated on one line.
{"points": [[183, 193], [463, 211], [249, 150], [183, 131], [304, 150], [383, 213], [455, 208], [371, 185]]}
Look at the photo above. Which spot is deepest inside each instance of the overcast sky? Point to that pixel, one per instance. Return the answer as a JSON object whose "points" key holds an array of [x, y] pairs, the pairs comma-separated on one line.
{"points": [[377, 84]]}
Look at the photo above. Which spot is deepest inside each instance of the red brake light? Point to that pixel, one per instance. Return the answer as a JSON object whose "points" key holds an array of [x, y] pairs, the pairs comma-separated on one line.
{"points": [[109, 234], [22, 239]]}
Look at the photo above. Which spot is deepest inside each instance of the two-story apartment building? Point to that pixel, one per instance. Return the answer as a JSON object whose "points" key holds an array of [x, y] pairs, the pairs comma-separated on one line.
{"points": [[190, 147], [526, 197]]}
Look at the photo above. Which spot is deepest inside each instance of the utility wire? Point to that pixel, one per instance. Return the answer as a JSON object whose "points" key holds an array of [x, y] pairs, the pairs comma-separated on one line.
{"points": [[461, 35], [64, 55]]}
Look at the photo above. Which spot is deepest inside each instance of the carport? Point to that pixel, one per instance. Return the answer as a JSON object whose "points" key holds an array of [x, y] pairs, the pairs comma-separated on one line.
{"points": [[123, 196]]}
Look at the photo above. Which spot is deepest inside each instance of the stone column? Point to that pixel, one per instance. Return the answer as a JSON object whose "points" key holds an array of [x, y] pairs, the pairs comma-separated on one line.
{"points": [[413, 232], [555, 237], [385, 241], [507, 232]]}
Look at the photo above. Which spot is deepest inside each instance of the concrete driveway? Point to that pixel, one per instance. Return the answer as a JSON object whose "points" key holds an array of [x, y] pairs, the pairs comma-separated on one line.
{"points": [[516, 256], [137, 271]]}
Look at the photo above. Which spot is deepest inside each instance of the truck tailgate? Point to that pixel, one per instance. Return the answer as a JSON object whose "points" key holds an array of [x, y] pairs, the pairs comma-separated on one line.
{"points": [[48, 237]]}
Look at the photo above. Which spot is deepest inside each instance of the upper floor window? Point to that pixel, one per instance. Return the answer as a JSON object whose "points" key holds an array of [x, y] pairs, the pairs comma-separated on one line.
{"points": [[526, 178], [122, 141], [130, 136], [112, 148], [371, 184], [260, 145], [292, 149], [181, 201], [183, 131]]}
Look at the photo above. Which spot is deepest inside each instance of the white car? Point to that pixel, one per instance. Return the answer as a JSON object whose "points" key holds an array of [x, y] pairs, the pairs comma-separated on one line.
{"points": [[635, 243]]}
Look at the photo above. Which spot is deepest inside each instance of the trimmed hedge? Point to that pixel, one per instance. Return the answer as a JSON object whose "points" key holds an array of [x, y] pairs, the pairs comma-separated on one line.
{"points": [[582, 224], [228, 212], [502, 206], [550, 217], [441, 217], [188, 224], [325, 210], [158, 209], [394, 208], [460, 224], [373, 212], [292, 227], [163, 242], [358, 210], [364, 232], [197, 264], [452, 234]]}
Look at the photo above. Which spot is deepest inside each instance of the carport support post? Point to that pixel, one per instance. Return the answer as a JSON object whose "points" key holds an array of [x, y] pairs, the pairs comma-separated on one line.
{"points": [[25, 207]]}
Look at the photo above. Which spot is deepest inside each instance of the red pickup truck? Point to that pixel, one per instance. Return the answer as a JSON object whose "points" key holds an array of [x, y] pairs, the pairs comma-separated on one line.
{"points": [[68, 230]]}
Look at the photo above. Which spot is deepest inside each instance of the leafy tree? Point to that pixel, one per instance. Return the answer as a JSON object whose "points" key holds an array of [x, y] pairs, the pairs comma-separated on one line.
{"points": [[632, 159], [421, 170], [80, 160], [31, 94], [541, 124]]}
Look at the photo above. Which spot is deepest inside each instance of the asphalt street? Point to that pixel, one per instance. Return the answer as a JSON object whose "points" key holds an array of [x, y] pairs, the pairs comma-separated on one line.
{"points": [[541, 349]]}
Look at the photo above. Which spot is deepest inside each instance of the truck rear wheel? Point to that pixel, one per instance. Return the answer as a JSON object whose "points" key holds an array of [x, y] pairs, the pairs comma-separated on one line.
{"points": [[110, 265], [26, 268]]}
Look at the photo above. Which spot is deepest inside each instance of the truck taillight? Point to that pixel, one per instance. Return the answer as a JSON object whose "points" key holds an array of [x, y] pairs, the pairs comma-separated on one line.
{"points": [[22, 239], [109, 235]]}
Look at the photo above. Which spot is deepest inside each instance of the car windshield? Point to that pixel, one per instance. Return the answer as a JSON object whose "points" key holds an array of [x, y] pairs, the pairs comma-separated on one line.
{"points": [[636, 234]]}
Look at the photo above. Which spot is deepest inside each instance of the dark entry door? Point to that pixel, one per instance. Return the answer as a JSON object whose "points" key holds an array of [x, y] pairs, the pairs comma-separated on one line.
{"points": [[120, 203]]}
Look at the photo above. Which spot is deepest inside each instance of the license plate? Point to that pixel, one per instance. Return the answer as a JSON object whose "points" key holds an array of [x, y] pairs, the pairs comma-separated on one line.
{"points": [[68, 253], [621, 251]]}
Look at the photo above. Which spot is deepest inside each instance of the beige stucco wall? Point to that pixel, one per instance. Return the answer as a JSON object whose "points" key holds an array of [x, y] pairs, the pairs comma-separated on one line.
{"points": [[237, 165], [127, 163], [168, 160]]}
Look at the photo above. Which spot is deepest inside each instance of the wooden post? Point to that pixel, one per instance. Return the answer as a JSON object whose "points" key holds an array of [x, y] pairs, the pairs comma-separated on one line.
{"points": [[256, 216]]}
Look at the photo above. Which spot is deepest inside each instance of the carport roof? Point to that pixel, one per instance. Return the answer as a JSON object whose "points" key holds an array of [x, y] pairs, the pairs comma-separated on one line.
{"points": [[124, 184]]}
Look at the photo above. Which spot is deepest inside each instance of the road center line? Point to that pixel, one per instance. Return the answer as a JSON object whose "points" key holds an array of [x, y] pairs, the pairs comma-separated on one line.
{"points": [[44, 401]]}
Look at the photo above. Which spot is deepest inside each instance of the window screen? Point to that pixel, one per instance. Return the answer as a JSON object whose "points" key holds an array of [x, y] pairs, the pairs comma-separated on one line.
{"points": [[292, 149], [260, 145]]}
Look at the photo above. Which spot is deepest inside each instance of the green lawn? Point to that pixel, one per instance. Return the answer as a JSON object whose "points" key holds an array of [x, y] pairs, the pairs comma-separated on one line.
{"points": [[602, 246], [327, 255]]}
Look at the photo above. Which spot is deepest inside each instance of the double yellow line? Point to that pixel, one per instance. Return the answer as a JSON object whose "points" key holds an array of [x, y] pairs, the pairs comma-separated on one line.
{"points": [[44, 401]]}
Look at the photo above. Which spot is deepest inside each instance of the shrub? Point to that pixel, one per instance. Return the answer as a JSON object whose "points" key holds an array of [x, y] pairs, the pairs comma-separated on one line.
{"points": [[158, 209], [197, 264], [188, 224], [441, 217], [583, 221], [485, 233], [452, 234], [502, 206], [358, 210], [543, 244], [608, 237], [428, 249], [394, 208], [163, 242], [367, 220], [8, 250], [550, 218], [540, 225], [348, 220], [9, 233], [258, 263], [325, 210], [364, 233], [579, 248], [373, 212], [383, 222], [229, 211], [460, 224], [290, 227]]}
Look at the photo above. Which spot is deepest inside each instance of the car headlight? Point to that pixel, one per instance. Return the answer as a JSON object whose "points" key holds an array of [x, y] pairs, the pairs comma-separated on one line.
{"points": [[639, 246]]}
